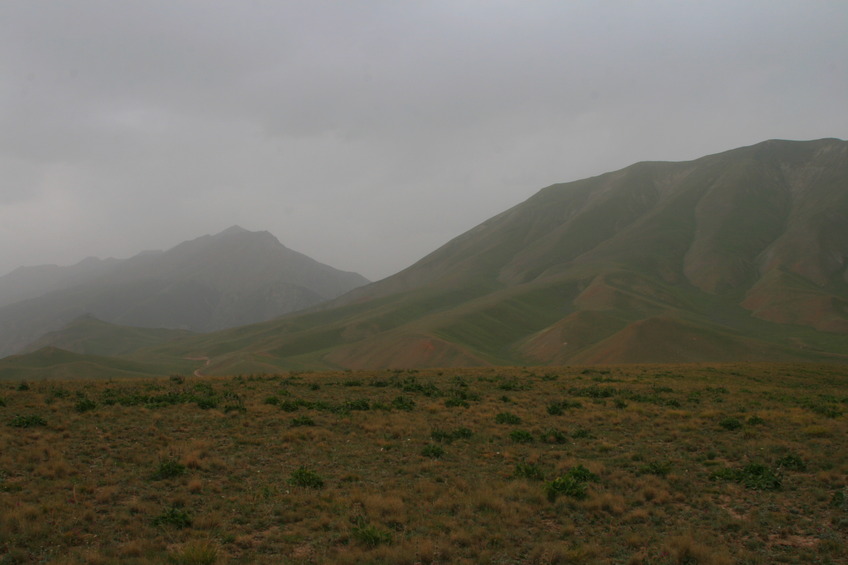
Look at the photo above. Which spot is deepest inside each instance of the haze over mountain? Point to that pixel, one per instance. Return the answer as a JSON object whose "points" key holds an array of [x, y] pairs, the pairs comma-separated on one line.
{"points": [[232, 278], [737, 256]]}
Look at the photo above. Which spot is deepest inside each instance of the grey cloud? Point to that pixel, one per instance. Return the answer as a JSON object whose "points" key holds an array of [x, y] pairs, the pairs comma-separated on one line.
{"points": [[367, 133]]}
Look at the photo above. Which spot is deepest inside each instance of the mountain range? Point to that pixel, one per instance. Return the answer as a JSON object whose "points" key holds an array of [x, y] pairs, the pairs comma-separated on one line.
{"points": [[737, 256], [233, 278]]}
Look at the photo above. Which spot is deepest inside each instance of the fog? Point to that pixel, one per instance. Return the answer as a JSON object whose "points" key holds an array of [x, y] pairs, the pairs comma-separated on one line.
{"points": [[366, 134]]}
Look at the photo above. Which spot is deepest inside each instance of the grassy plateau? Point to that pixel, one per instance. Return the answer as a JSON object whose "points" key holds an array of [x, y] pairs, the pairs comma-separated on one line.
{"points": [[640, 464]]}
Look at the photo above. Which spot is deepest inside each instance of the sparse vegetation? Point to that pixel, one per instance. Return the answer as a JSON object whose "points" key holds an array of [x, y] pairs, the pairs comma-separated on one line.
{"points": [[507, 418], [168, 469], [433, 451], [173, 516], [158, 479], [27, 421], [303, 477]]}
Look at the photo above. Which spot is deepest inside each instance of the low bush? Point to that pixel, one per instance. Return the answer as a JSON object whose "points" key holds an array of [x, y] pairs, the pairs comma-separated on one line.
{"points": [[173, 517], [29, 421], [303, 477], [754, 476], [581, 433], [433, 451], [566, 485], [84, 405], [403, 403], [791, 462], [521, 436], [302, 421], [507, 418], [572, 484], [553, 435], [449, 436], [530, 471], [370, 535], [659, 468], [730, 424], [168, 469]]}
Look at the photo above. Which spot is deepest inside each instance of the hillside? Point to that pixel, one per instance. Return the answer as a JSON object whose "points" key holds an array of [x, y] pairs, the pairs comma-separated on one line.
{"points": [[53, 363], [213, 282], [89, 336], [733, 257], [738, 256]]}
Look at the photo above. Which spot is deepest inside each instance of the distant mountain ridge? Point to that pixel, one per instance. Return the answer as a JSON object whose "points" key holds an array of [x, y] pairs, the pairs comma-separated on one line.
{"points": [[742, 255], [216, 281], [733, 257]]}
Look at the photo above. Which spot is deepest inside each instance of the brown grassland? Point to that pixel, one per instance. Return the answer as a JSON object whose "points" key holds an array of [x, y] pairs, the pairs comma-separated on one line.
{"points": [[634, 464]]}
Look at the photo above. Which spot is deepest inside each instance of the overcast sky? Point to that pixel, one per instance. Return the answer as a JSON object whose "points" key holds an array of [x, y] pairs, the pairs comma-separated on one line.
{"points": [[368, 133]]}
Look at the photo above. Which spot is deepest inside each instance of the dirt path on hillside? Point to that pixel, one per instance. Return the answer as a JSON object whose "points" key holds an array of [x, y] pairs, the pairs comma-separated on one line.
{"points": [[197, 372]]}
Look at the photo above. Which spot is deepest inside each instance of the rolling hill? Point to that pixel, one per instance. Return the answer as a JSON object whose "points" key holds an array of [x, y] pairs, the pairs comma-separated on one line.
{"points": [[738, 256], [213, 282]]}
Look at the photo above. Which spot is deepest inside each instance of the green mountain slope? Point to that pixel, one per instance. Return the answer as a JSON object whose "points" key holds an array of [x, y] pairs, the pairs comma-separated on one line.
{"points": [[54, 363], [89, 336], [738, 256], [732, 257]]}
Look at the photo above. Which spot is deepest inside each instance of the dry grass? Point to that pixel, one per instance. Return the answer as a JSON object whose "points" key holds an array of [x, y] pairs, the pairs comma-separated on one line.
{"points": [[666, 480]]}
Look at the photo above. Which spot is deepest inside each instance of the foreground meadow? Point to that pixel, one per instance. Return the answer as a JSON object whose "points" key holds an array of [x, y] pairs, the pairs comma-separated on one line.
{"points": [[640, 465]]}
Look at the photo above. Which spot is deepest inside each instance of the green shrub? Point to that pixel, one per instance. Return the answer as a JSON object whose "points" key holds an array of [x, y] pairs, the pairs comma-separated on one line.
{"points": [[521, 436], [661, 469], [454, 402], [2, 402], [289, 406], [302, 421], [173, 517], [791, 462], [530, 471], [360, 404], [514, 385], [303, 477], [371, 536], [566, 485], [593, 391], [581, 473], [206, 403], [730, 424], [507, 418], [449, 436], [755, 421], [754, 476], [84, 405], [581, 433], [757, 476], [403, 403], [168, 469], [559, 408], [29, 421], [572, 484], [433, 451]]}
